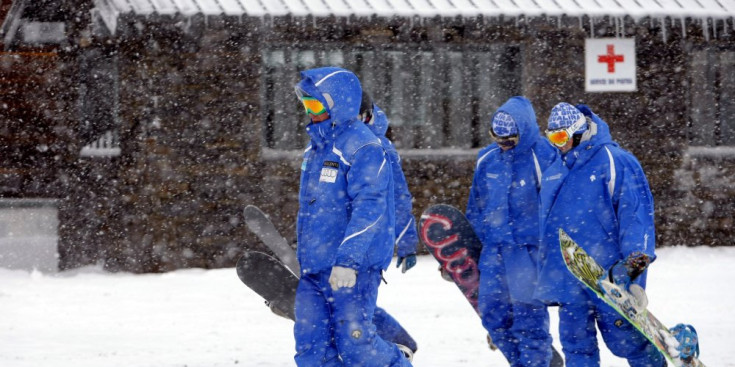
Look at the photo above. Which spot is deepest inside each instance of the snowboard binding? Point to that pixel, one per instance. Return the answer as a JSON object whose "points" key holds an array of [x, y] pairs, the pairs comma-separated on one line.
{"points": [[688, 347], [632, 302]]}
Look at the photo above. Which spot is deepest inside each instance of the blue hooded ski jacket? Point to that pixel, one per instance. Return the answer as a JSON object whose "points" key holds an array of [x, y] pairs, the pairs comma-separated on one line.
{"points": [[346, 212], [599, 195], [406, 236], [503, 205]]}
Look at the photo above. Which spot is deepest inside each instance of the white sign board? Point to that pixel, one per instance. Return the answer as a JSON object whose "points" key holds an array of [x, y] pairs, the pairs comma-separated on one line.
{"points": [[609, 65]]}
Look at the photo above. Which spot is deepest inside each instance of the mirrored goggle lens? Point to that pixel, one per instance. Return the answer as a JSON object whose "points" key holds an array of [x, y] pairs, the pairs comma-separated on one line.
{"points": [[313, 106], [558, 137]]}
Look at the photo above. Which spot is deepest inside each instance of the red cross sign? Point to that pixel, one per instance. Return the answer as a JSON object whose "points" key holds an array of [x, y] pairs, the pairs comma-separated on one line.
{"points": [[610, 58], [609, 65]]}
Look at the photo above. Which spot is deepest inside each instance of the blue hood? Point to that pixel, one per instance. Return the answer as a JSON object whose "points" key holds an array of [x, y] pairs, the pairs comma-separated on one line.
{"points": [[599, 136], [602, 136], [379, 124], [337, 89], [522, 111]]}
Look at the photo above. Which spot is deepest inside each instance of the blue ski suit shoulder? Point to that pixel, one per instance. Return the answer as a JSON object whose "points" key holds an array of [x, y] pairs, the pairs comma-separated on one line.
{"points": [[599, 194], [504, 200], [346, 213], [406, 236]]}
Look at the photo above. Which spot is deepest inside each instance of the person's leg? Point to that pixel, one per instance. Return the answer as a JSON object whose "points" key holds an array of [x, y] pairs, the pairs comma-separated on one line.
{"points": [[390, 330], [494, 307], [531, 329], [354, 332], [314, 346], [578, 335], [625, 341]]}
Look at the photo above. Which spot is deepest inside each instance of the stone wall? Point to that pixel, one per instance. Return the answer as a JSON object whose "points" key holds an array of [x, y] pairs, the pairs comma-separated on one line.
{"points": [[191, 132], [189, 152], [703, 205]]}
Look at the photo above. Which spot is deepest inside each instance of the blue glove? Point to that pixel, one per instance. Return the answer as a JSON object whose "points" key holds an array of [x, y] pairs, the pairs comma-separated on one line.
{"points": [[408, 262], [625, 271]]}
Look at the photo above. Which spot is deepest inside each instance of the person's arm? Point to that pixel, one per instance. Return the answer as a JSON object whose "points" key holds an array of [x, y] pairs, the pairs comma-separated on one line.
{"points": [[406, 236], [368, 181], [635, 213], [475, 205]]}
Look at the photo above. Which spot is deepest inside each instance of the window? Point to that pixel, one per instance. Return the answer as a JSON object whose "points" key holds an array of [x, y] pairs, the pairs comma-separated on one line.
{"points": [[712, 98], [434, 98], [99, 104]]}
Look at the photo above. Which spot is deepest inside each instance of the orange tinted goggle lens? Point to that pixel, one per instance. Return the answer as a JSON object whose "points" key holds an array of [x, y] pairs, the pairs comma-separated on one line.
{"points": [[558, 137], [313, 106]]}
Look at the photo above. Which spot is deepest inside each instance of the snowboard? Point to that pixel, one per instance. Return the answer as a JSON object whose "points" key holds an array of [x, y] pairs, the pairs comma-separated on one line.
{"points": [[261, 226], [450, 238], [270, 279], [592, 275]]}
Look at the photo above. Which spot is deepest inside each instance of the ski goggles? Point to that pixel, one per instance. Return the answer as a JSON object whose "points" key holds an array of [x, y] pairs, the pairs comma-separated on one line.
{"points": [[311, 104], [505, 141], [560, 137]]}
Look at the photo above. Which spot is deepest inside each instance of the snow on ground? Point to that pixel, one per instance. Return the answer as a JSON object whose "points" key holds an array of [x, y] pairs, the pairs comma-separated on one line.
{"points": [[88, 318]]}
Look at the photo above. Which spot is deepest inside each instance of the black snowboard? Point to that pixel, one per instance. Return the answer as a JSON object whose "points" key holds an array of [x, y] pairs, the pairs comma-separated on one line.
{"points": [[449, 236], [269, 278]]}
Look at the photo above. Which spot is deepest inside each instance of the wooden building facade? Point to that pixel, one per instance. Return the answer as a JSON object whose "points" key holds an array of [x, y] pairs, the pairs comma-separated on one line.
{"points": [[152, 123]]}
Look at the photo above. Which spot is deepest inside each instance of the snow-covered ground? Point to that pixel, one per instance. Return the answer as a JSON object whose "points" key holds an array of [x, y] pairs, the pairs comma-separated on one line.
{"points": [[208, 318]]}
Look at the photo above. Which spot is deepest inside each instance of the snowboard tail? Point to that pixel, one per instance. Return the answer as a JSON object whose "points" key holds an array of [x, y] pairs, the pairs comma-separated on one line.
{"points": [[270, 279], [592, 275], [449, 237]]}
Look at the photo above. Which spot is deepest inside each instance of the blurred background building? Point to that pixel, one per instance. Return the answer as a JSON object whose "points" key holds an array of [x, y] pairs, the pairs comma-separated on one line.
{"points": [[134, 132]]}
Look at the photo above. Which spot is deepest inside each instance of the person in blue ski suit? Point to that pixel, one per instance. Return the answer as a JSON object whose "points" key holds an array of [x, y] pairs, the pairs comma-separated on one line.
{"points": [[503, 210], [599, 195], [345, 228], [405, 230], [407, 238]]}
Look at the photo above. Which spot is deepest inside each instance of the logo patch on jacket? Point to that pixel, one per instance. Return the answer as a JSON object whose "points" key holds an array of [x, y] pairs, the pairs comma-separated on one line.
{"points": [[329, 172]]}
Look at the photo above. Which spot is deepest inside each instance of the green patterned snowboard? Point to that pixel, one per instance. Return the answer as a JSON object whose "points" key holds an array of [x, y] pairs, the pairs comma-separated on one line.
{"points": [[589, 272]]}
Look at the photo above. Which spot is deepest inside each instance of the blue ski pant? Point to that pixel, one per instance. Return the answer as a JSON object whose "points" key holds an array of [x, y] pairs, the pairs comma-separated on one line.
{"points": [[525, 341], [390, 330], [335, 328], [520, 330], [578, 336]]}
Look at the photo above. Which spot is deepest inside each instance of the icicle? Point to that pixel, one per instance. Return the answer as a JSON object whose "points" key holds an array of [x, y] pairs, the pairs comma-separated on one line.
{"points": [[592, 27], [613, 22], [683, 28], [714, 28], [663, 29], [705, 29]]}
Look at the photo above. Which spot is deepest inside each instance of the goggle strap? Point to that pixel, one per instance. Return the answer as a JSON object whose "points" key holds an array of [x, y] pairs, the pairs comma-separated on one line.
{"points": [[577, 125]]}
